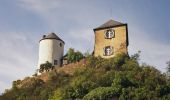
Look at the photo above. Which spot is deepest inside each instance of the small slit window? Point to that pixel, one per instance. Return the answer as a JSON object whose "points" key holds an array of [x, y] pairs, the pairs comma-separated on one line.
{"points": [[60, 44], [55, 62]]}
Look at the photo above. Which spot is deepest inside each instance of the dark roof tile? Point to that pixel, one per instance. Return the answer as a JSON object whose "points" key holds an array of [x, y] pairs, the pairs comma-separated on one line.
{"points": [[52, 36], [110, 23]]}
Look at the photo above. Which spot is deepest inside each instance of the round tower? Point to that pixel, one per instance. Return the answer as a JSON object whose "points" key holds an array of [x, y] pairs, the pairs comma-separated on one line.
{"points": [[51, 49]]}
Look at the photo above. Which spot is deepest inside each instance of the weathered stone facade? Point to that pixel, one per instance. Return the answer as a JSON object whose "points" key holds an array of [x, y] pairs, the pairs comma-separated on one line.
{"points": [[117, 44]]}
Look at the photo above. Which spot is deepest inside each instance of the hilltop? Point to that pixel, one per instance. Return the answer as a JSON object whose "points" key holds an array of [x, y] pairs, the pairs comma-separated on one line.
{"points": [[121, 77]]}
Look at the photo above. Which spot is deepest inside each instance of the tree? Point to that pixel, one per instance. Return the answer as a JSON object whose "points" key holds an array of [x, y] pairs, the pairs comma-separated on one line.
{"points": [[103, 93], [87, 54], [46, 67], [131, 81], [78, 56], [74, 56], [136, 56], [70, 55], [168, 67]]}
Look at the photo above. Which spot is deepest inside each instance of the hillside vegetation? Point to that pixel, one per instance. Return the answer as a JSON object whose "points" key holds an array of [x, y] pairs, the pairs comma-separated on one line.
{"points": [[118, 78]]}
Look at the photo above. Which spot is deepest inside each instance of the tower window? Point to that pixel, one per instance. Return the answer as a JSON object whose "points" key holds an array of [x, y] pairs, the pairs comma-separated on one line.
{"points": [[55, 62], [109, 34], [60, 45], [108, 50]]}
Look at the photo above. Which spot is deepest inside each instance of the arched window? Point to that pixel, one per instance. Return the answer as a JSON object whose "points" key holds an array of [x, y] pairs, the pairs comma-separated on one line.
{"points": [[109, 34], [108, 50]]}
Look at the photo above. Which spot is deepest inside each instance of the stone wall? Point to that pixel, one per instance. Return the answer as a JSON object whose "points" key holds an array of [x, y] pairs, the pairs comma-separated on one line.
{"points": [[119, 42]]}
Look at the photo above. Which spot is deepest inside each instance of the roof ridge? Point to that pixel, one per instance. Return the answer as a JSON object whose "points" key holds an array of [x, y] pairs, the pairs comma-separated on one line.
{"points": [[109, 23], [51, 35]]}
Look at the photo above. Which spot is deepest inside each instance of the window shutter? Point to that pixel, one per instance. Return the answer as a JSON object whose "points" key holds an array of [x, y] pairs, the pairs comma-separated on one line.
{"points": [[104, 53], [105, 34], [112, 50], [113, 35]]}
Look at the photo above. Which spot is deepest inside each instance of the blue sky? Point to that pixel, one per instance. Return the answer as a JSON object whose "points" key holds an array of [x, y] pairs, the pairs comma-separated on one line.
{"points": [[23, 22]]}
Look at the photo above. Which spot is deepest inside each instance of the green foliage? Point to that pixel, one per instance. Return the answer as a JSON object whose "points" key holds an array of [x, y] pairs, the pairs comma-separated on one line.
{"points": [[94, 61], [101, 93], [79, 89], [46, 67], [87, 54], [73, 56], [121, 77], [58, 95], [168, 63], [168, 68], [106, 80], [121, 81], [136, 56]]}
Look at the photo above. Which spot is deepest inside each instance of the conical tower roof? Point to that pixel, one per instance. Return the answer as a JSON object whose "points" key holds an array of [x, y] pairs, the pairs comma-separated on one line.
{"points": [[51, 36]]}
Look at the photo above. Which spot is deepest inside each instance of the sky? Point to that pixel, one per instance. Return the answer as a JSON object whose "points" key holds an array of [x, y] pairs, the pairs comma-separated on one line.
{"points": [[24, 22]]}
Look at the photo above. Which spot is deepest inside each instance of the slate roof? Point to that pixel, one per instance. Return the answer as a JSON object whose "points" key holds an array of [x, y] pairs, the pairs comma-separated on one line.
{"points": [[51, 36], [110, 23]]}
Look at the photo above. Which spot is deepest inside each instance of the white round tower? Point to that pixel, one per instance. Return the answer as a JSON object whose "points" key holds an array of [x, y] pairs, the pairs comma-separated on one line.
{"points": [[51, 49]]}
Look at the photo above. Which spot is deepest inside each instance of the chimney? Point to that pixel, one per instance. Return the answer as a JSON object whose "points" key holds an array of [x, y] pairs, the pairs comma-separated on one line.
{"points": [[44, 36]]}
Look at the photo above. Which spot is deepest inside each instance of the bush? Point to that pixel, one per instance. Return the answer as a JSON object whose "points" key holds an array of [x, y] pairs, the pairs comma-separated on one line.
{"points": [[121, 81], [94, 62], [73, 56], [46, 67], [120, 77], [106, 79], [102, 93]]}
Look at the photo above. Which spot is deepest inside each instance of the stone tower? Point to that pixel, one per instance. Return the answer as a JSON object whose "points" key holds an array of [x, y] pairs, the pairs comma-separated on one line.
{"points": [[51, 49], [111, 38]]}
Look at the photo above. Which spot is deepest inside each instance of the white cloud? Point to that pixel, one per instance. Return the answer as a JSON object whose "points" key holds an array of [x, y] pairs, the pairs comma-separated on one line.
{"points": [[58, 12], [82, 34], [80, 39], [40, 6], [4, 86], [44, 9], [18, 57], [152, 52]]}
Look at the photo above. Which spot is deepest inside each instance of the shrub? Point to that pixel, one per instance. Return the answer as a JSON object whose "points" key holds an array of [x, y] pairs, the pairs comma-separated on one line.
{"points": [[94, 62], [102, 93], [74, 56], [58, 94], [106, 79], [118, 61], [46, 67], [121, 81], [120, 78]]}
